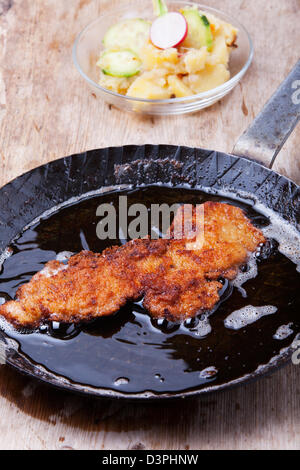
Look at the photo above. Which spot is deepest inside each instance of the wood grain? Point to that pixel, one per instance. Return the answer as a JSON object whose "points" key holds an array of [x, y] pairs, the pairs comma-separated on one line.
{"points": [[46, 112]]}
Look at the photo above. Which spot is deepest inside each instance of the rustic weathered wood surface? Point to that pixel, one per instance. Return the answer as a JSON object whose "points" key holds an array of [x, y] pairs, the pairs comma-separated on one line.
{"points": [[46, 112]]}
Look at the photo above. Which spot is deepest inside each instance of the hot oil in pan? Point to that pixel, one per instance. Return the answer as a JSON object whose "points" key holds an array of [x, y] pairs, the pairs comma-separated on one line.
{"points": [[129, 352]]}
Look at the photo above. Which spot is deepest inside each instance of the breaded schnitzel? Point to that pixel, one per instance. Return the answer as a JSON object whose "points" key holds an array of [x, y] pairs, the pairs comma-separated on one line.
{"points": [[190, 283], [178, 278]]}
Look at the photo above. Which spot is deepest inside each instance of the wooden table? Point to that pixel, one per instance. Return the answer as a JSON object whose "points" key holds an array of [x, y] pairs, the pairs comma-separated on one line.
{"points": [[46, 112]]}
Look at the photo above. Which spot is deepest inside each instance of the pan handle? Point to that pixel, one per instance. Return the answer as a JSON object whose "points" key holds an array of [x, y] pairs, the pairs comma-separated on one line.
{"points": [[265, 137]]}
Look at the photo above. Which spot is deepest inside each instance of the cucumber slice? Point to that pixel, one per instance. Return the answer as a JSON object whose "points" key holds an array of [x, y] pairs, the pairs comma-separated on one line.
{"points": [[129, 34], [207, 32], [120, 63], [160, 7], [199, 32]]}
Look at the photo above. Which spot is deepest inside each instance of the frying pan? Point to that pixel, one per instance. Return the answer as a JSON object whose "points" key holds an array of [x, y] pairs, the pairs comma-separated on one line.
{"points": [[51, 185]]}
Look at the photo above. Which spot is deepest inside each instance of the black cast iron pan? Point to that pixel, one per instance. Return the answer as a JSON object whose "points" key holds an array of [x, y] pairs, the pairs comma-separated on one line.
{"points": [[128, 356]]}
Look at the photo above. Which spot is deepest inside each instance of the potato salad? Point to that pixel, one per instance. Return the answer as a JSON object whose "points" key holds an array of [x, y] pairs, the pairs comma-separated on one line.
{"points": [[179, 54]]}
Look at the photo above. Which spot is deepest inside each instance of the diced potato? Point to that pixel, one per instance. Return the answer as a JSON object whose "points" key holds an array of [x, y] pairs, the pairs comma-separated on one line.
{"points": [[210, 77], [153, 57], [229, 32], [117, 84], [219, 53], [194, 60], [178, 88], [145, 87]]}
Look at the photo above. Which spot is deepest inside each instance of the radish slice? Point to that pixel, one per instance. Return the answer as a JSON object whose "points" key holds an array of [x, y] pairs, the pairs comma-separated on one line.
{"points": [[168, 30]]}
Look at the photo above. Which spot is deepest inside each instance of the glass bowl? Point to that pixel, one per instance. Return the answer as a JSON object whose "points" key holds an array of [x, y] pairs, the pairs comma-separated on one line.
{"points": [[88, 46]]}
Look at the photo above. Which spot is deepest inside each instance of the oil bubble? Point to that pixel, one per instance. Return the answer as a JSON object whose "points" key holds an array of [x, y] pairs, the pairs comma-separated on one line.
{"points": [[208, 373], [43, 329], [283, 332], [159, 377], [164, 325], [121, 381], [247, 315]]}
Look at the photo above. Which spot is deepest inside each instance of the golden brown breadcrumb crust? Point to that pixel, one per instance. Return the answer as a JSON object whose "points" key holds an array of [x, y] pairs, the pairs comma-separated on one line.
{"points": [[176, 282]]}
